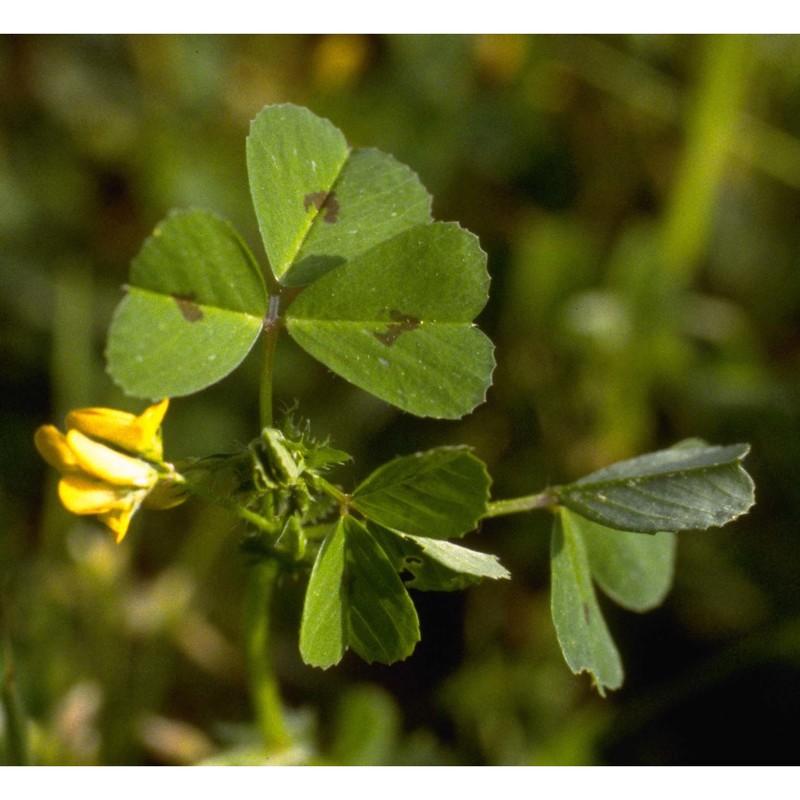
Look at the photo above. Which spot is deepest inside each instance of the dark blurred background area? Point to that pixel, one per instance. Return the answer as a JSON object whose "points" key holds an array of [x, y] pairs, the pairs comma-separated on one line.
{"points": [[638, 198]]}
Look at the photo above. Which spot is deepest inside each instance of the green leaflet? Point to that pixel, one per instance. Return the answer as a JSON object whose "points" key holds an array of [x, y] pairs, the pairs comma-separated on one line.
{"points": [[356, 599], [397, 321], [318, 203], [635, 571], [437, 566], [682, 488], [193, 309], [582, 633], [440, 494]]}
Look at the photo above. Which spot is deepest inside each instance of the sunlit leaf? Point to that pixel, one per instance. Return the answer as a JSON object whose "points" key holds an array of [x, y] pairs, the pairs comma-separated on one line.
{"points": [[356, 599], [397, 321], [323, 630], [193, 308], [318, 203], [582, 633], [681, 488], [440, 494]]}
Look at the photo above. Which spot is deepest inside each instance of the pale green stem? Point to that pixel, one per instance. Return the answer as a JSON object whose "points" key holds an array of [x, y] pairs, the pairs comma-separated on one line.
{"points": [[263, 683], [272, 326], [263, 576], [334, 492], [518, 505]]}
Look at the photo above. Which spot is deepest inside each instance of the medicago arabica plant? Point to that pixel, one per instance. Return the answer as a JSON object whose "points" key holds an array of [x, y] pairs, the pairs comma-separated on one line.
{"points": [[363, 279]]}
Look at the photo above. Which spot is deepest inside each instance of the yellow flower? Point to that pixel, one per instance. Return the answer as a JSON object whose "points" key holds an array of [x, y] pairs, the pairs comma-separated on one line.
{"points": [[101, 481], [140, 435]]}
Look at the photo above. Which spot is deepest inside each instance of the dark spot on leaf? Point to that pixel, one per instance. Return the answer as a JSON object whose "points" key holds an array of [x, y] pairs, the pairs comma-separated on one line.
{"points": [[323, 201], [586, 613], [402, 322], [190, 310]]}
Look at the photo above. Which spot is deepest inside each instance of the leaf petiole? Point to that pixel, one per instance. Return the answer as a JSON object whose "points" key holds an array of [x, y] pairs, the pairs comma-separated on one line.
{"points": [[518, 505]]}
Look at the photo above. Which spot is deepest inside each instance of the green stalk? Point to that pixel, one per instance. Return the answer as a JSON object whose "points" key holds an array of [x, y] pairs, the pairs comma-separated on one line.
{"points": [[518, 505], [263, 684], [272, 327], [263, 576]]}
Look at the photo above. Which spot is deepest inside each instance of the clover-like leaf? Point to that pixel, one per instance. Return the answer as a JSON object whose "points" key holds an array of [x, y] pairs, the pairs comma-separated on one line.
{"points": [[397, 321], [194, 306], [681, 488]]}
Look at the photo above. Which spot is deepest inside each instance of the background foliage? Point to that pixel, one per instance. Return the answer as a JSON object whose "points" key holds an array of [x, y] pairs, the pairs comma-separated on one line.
{"points": [[638, 198]]}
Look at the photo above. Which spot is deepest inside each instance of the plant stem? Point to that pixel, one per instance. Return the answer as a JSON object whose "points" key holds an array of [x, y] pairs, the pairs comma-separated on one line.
{"points": [[517, 505], [264, 574], [263, 684], [272, 326]]}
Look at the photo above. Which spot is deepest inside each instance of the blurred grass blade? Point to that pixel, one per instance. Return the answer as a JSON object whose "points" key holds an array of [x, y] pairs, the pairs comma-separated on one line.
{"points": [[14, 721]]}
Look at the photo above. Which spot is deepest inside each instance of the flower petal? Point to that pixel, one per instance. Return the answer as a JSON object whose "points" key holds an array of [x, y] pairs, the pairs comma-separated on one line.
{"points": [[140, 435], [118, 521], [54, 449], [108, 465], [82, 495]]}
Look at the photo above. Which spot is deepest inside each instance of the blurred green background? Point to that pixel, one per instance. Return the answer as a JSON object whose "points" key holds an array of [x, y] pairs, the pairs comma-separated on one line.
{"points": [[639, 199]]}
